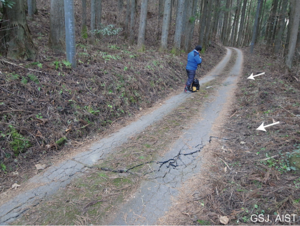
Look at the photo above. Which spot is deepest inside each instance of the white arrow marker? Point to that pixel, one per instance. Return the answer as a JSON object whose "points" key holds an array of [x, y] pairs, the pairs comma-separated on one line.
{"points": [[262, 126], [253, 76]]}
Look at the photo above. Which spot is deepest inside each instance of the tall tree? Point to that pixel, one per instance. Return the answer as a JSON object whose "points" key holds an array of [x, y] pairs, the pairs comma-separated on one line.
{"points": [[16, 37], [120, 5], [30, 8], [235, 23], [290, 24], [247, 36], [142, 27], [294, 34], [271, 22], [191, 26], [127, 17], [83, 18], [226, 15], [159, 16], [178, 31], [255, 25], [260, 19], [186, 11], [132, 21], [98, 13], [202, 23], [57, 26], [166, 24], [93, 18], [208, 27], [70, 31], [216, 17], [242, 24], [282, 25]]}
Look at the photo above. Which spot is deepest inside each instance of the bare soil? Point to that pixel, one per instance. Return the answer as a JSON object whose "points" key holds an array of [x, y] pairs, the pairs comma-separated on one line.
{"points": [[249, 171], [47, 109]]}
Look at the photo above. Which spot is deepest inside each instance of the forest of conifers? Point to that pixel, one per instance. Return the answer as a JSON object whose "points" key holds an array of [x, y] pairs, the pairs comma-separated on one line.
{"points": [[270, 24]]}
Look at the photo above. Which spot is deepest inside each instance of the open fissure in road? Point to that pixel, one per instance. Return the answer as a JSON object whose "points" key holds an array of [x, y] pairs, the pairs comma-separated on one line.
{"points": [[153, 199], [58, 176]]}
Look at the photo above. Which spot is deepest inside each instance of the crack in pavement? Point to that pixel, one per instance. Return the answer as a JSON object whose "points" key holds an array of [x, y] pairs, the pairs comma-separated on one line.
{"points": [[179, 164], [58, 176]]}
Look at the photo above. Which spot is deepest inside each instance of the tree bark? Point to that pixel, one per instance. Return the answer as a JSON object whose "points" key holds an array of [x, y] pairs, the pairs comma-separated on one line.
{"points": [[184, 22], [98, 14], [191, 26], [216, 18], [132, 21], [282, 24], [16, 37], [242, 24], [202, 22], [30, 9], [120, 5], [70, 32], [290, 25], [166, 24], [247, 36], [276, 23], [84, 32], [294, 34], [207, 27], [57, 26], [159, 16], [271, 22], [260, 18], [236, 22], [127, 18], [255, 25], [223, 35], [187, 25], [178, 31], [142, 27], [93, 19]]}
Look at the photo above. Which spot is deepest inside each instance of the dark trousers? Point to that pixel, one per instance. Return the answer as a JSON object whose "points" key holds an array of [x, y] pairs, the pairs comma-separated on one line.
{"points": [[191, 75]]}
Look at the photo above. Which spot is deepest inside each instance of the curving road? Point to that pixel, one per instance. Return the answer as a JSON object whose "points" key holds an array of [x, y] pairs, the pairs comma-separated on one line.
{"points": [[55, 177]]}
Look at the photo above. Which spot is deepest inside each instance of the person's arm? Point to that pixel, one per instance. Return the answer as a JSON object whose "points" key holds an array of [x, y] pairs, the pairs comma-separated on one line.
{"points": [[198, 59]]}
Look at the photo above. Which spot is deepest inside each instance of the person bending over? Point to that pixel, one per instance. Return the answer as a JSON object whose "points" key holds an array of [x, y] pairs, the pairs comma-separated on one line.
{"points": [[193, 60]]}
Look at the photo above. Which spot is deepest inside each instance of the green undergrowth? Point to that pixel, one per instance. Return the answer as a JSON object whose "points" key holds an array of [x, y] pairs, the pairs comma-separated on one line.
{"points": [[48, 110], [100, 191]]}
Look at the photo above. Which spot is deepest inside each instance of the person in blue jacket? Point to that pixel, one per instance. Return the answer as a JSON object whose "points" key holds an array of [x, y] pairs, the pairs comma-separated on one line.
{"points": [[193, 60]]}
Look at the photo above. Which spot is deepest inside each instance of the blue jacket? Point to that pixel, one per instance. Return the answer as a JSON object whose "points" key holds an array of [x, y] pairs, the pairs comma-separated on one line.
{"points": [[193, 60]]}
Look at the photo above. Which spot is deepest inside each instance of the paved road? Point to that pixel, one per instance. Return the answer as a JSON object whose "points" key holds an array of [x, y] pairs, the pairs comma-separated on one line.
{"points": [[58, 176], [153, 199]]}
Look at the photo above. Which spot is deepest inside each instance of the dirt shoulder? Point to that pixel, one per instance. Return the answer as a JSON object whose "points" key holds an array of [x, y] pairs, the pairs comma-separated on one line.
{"points": [[97, 195], [47, 109], [251, 172]]}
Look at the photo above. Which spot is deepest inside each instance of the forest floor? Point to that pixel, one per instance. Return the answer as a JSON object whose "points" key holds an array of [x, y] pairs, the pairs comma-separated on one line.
{"points": [[48, 109], [49, 112], [112, 180], [250, 172]]}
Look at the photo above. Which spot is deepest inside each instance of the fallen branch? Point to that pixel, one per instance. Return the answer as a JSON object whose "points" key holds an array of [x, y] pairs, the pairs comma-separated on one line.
{"points": [[288, 111], [91, 204], [13, 64], [225, 163], [268, 158]]}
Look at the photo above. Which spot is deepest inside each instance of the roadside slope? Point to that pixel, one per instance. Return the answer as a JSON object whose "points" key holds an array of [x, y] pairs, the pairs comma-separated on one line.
{"points": [[121, 168]]}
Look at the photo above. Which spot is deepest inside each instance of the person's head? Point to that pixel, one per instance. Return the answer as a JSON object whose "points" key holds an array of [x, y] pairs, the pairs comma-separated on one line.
{"points": [[198, 48]]}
